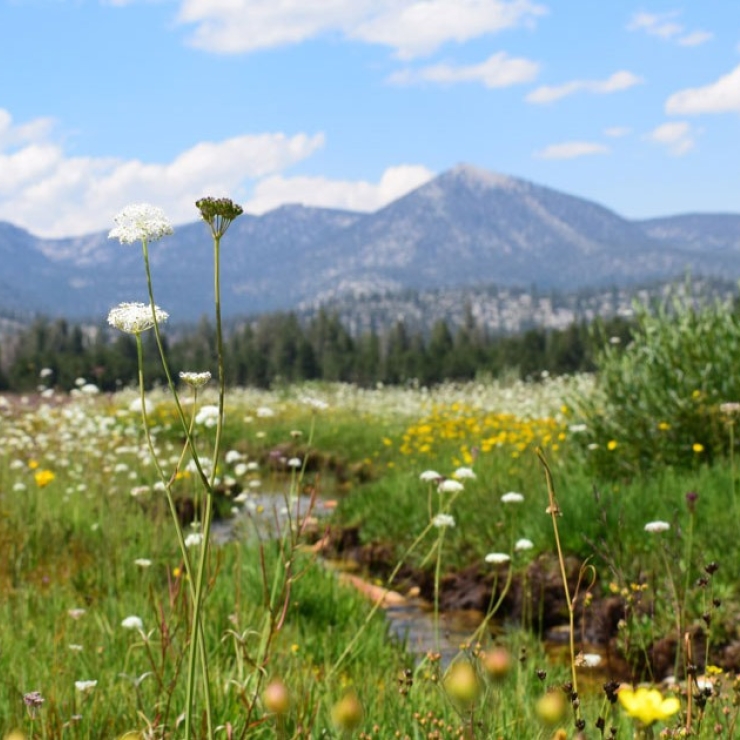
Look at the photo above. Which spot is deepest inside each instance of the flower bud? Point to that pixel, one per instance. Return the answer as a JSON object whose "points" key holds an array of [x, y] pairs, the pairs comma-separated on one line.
{"points": [[551, 707], [347, 712], [496, 663], [276, 697], [461, 682]]}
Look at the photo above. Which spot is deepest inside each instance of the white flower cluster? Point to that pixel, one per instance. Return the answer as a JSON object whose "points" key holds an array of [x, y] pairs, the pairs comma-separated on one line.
{"points": [[140, 222], [134, 318], [195, 380]]}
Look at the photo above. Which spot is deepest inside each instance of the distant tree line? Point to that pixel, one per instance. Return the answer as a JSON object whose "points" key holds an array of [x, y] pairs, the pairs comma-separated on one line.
{"points": [[279, 348]]}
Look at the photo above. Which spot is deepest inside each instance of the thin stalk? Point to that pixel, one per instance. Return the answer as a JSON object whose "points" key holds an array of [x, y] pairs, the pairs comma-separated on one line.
{"points": [[437, 574]]}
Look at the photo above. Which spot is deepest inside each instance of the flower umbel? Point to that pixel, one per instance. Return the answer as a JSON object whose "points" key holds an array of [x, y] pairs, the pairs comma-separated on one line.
{"points": [[218, 213], [134, 318], [140, 222], [195, 380], [647, 705]]}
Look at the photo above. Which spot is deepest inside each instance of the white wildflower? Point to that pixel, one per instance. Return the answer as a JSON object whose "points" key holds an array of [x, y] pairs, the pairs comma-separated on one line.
{"points": [[461, 473], [143, 562], [450, 486], [85, 686], [657, 526], [294, 462], [132, 623], [140, 222], [523, 544], [195, 380], [193, 539], [497, 558], [429, 476], [443, 520], [207, 415], [134, 318], [512, 497]]}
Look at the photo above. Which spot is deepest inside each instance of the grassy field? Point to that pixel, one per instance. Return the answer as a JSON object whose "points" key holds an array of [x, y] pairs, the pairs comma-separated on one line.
{"points": [[95, 593]]}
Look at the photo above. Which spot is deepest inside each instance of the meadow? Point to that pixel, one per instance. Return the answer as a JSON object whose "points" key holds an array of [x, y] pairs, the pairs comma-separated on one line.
{"points": [[176, 560]]}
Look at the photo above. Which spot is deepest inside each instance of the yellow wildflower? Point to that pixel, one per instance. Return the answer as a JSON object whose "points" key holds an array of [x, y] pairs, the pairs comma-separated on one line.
{"points": [[43, 477], [647, 705], [611, 444], [697, 447]]}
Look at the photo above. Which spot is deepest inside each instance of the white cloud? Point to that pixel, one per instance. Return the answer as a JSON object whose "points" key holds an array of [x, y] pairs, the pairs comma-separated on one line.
{"points": [[621, 80], [52, 194], [664, 26], [676, 136], [695, 38], [410, 27], [722, 96], [499, 70], [351, 195], [571, 149], [616, 132]]}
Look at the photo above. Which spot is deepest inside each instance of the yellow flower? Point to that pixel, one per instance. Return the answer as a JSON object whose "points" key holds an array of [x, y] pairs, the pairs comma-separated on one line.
{"points": [[611, 444], [664, 426], [697, 447], [647, 705], [43, 477]]}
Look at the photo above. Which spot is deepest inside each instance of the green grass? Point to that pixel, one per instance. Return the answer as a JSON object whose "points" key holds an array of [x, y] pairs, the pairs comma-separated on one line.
{"points": [[73, 543]]}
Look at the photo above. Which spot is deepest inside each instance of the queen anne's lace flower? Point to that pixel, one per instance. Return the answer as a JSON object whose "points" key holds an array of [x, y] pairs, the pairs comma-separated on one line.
{"points": [[195, 380], [443, 520], [134, 318], [497, 558], [140, 222], [657, 526]]}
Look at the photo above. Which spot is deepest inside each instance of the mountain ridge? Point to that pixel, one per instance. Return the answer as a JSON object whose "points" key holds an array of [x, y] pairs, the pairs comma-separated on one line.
{"points": [[465, 227]]}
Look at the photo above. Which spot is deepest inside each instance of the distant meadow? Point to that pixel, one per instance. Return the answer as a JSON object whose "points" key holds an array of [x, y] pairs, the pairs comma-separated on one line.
{"points": [[543, 555]]}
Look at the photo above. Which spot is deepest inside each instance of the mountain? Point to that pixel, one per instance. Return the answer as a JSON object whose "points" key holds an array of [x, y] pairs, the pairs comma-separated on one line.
{"points": [[467, 227]]}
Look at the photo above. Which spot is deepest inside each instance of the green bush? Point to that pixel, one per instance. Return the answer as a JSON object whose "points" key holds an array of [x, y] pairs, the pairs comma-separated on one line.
{"points": [[663, 399]]}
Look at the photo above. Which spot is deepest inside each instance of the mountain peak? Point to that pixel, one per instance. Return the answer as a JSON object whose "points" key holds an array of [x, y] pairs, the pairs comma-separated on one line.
{"points": [[472, 176]]}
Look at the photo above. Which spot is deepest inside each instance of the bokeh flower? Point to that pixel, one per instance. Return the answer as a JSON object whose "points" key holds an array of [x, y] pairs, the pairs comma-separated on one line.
{"points": [[134, 318], [657, 526], [132, 623], [512, 497], [647, 705], [443, 520], [43, 477], [497, 558], [140, 222]]}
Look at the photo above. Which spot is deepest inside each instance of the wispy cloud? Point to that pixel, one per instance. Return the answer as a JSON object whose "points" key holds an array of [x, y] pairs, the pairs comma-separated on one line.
{"points": [[617, 132], [411, 28], [499, 70], [665, 26], [675, 136], [617, 82], [571, 150], [352, 195], [722, 96], [51, 193]]}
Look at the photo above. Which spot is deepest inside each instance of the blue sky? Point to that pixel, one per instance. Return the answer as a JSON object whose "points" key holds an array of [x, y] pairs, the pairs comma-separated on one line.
{"points": [[353, 103]]}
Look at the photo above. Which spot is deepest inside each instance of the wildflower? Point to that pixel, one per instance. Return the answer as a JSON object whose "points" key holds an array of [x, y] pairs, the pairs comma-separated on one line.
{"points": [[443, 520], [523, 544], [207, 415], [233, 456], [240, 469], [218, 213], [611, 445], [140, 222], [143, 562], [76, 613], [691, 499], [347, 713], [193, 539], [497, 558], [132, 623], [75, 648], [588, 660], [657, 526], [461, 682], [43, 477], [697, 447], [512, 498], [47, 372], [429, 476], [85, 687], [464, 473], [294, 462], [730, 408], [33, 699], [647, 705], [450, 486], [551, 707], [134, 318], [664, 426], [195, 380], [276, 697], [496, 663]]}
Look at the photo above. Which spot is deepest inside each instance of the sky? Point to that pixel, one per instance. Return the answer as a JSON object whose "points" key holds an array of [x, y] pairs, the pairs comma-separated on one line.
{"points": [[353, 103]]}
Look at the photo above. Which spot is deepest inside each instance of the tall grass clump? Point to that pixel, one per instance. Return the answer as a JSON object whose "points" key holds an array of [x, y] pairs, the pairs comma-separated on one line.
{"points": [[665, 400]]}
